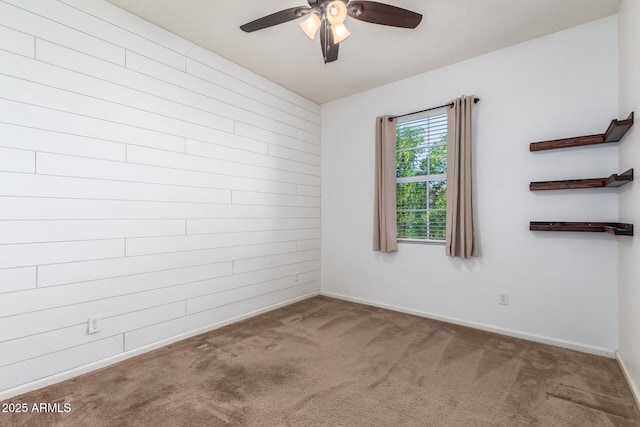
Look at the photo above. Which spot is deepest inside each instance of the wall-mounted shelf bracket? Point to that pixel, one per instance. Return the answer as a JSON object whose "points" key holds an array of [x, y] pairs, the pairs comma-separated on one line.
{"points": [[614, 180], [616, 228], [614, 133]]}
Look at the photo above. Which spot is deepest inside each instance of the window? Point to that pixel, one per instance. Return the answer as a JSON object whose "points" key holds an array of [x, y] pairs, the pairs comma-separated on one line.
{"points": [[421, 177]]}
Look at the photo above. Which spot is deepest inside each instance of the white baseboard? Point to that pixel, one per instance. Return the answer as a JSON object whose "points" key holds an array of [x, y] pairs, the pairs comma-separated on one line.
{"points": [[62, 376], [632, 385], [599, 351]]}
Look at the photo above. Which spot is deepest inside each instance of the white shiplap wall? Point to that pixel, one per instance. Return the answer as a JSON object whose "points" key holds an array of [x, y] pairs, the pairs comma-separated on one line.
{"points": [[142, 179]]}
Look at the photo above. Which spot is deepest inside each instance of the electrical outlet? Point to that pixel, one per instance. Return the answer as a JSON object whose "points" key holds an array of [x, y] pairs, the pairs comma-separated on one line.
{"points": [[504, 299], [295, 276], [95, 324]]}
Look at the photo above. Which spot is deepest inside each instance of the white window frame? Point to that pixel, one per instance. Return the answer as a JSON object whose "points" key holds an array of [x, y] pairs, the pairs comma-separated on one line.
{"points": [[422, 178]]}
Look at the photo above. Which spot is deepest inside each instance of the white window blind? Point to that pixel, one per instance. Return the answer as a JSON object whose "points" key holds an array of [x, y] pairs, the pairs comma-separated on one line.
{"points": [[421, 176]]}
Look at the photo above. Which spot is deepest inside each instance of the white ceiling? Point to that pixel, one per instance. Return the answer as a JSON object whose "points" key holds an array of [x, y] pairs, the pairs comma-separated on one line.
{"points": [[451, 31]]}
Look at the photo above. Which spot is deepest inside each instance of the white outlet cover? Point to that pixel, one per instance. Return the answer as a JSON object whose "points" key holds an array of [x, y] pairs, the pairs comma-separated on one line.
{"points": [[94, 324], [504, 299]]}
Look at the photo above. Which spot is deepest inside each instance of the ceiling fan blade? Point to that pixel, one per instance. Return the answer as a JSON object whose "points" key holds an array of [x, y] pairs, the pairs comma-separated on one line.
{"points": [[383, 14], [275, 19], [329, 48]]}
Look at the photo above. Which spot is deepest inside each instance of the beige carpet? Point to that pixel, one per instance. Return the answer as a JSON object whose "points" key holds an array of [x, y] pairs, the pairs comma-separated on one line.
{"points": [[329, 362]]}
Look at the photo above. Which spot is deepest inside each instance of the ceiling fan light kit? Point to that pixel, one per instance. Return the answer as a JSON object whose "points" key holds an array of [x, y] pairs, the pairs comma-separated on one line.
{"points": [[328, 16], [339, 32], [336, 12], [311, 25]]}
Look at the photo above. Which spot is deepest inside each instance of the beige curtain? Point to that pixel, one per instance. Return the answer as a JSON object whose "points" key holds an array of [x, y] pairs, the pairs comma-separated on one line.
{"points": [[384, 212], [461, 240]]}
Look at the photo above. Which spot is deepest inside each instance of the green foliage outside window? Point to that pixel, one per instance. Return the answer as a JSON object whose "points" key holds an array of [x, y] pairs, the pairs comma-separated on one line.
{"points": [[421, 205]]}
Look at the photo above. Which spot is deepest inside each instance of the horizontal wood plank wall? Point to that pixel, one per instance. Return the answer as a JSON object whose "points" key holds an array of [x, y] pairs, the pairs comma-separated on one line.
{"points": [[142, 179]]}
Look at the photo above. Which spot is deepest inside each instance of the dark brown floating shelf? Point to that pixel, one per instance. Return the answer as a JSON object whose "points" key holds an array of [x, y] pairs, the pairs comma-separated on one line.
{"points": [[617, 228], [614, 133], [611, 181]]}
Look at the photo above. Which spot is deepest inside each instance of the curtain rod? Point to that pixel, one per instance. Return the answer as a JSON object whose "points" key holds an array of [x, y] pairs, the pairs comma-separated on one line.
{"points": [[475, 101]]}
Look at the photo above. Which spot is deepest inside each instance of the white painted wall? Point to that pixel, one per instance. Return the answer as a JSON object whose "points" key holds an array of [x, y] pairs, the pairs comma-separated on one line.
{"points": [[142, 179], [562, 286], [629, 249]]}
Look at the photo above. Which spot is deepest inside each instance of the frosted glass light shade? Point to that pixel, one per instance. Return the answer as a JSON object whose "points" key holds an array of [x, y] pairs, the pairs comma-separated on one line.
{"points": [[336, 12], [340, 32], [311, 25]]}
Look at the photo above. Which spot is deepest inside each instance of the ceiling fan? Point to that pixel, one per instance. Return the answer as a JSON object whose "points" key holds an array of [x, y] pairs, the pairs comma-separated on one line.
{"points": [[328, 17]]}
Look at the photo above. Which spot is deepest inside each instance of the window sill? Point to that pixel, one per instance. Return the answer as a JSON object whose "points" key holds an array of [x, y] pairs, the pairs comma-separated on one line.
{"points": [[422, 242]]}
